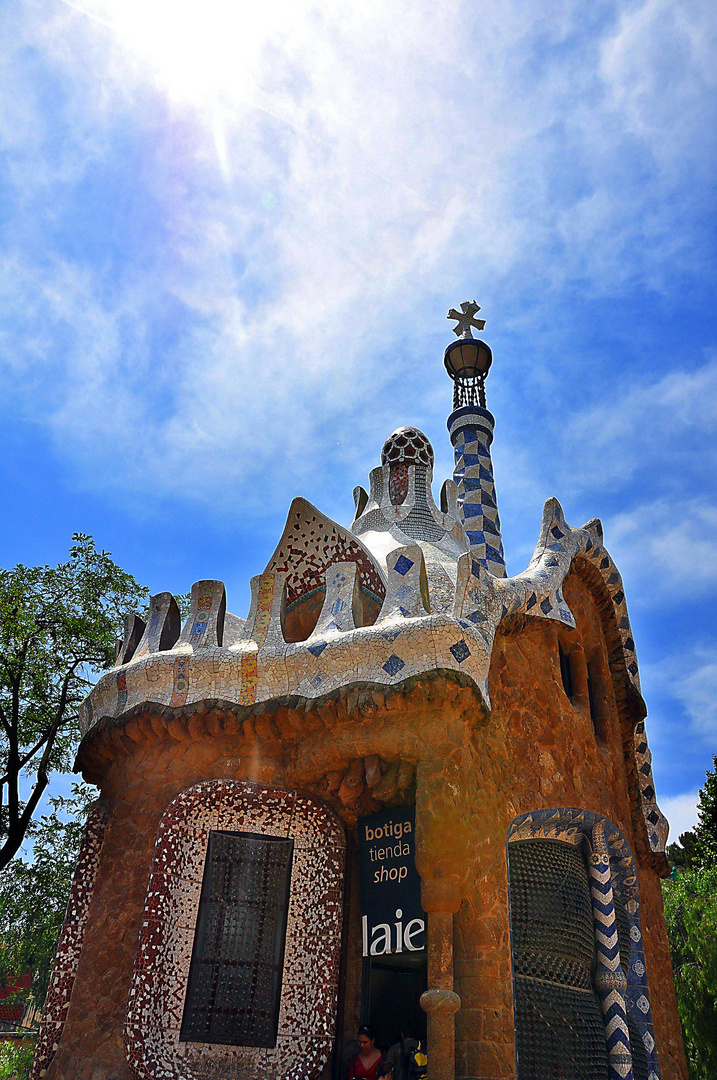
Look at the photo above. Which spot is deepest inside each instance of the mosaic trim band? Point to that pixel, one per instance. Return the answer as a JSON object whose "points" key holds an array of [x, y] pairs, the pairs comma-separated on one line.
{"points": [[69, 946]]}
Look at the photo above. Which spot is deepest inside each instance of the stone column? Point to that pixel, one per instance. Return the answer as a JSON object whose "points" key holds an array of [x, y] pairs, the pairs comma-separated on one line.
{"points": [[471, 432], [440, 1000], [440, 860], [610, 980]]}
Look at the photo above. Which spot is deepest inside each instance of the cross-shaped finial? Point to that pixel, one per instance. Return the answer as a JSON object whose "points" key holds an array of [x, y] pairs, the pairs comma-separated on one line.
{"points": [[465, 319]]}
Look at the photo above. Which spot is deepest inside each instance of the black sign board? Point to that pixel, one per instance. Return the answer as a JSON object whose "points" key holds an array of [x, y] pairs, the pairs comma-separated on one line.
{"points": [[393, 920]]}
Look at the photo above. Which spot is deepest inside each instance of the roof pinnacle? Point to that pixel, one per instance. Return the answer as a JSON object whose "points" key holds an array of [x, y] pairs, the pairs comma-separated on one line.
{"points": [[465, 319]]}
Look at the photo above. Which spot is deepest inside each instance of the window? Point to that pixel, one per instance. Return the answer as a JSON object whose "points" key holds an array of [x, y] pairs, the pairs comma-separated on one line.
{"points": [[558, 1019], [565, 672], [591, 701], [235, 976]]}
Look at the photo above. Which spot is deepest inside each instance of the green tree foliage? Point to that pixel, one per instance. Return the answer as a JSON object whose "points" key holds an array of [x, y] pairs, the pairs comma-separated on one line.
{"points": [[58, 628], [691, 914], [706, 830], [15, 1061], [685, 853], [34, 892]]}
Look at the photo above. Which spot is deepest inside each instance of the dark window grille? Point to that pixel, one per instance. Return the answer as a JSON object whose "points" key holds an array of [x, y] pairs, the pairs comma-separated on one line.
{"points": [[558, 1020], [565, 673], [234, 986]]}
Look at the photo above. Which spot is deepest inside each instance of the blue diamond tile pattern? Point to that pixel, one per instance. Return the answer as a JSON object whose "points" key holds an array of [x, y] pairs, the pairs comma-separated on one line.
{"points": [[403, 565], [317, 648], [460, 650], [393, 665]]}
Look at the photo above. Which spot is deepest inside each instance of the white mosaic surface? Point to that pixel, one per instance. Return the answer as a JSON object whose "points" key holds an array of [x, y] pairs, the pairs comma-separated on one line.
{"points": [[441, 609]]}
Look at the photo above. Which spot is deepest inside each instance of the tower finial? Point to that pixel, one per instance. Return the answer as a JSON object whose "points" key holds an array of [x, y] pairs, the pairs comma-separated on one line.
{"points": [[465, 319], [471, 429], [468, 359]]}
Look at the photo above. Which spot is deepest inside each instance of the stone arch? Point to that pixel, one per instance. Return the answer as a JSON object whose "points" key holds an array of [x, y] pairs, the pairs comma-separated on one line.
{"points": [[579, 827]]}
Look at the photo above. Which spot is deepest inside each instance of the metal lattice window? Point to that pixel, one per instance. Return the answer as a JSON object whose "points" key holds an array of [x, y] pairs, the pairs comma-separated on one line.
{"points": [[558, 1020], [234, 985]]}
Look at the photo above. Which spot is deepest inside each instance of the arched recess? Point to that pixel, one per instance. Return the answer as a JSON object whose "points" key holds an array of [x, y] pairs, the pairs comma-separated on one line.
{"points": [[618, 938], [219, 812]]}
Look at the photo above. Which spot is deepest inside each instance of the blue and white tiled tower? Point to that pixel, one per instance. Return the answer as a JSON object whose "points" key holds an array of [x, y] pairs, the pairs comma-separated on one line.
{"points": [[470, 426]]}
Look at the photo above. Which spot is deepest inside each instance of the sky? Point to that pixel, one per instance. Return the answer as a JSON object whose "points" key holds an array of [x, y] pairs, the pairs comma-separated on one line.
{"points": [[229, 236]]}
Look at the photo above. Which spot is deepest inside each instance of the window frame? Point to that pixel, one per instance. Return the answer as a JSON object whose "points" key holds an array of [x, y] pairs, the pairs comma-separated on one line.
{"points": [[314, 928]]}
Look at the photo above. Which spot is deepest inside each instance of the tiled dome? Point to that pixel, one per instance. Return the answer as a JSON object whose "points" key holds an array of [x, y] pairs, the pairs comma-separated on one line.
{"points": [[407, 445]]}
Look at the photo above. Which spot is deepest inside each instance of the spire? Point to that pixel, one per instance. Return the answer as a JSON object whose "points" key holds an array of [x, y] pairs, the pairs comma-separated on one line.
{"points": [[470, 427]]}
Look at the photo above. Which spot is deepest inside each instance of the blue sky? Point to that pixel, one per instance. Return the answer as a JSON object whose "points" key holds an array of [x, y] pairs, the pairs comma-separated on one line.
{"points": [[230, 234]]}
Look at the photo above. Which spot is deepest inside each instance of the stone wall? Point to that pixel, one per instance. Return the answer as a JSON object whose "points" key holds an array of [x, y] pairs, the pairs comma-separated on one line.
{"points": [[428, 740]]}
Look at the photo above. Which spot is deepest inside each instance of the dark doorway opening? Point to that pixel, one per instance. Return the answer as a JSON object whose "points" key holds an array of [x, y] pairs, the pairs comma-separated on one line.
{"points": [[391, 993]]}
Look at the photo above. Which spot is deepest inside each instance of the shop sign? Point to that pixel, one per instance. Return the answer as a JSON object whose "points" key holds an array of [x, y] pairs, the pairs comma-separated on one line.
{"points": [[393, 920]]}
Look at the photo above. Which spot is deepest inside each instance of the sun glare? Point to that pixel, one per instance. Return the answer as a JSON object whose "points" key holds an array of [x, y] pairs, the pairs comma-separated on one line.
{"points": [[201, 50]]}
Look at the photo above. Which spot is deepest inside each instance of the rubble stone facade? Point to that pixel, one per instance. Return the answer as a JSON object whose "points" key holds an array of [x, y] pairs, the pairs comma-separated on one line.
{"points": [[386, 664]]}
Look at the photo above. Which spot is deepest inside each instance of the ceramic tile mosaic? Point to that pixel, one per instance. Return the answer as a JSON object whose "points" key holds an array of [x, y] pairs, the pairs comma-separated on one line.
{"points": [[163, 627], [442, 598], [161, 971], [310, 544], [616, 874], [471, 432], [69, 945]]}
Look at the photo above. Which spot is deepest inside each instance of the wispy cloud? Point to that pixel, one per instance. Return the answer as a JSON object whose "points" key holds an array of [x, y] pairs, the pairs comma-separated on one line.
{"points": [[652, 425], [297, 203], [681, 812], [696, 688], [668, 547]]}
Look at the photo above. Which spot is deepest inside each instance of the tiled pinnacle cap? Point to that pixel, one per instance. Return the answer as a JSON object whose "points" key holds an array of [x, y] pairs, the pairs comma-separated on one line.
{"points": [[407, 445]]}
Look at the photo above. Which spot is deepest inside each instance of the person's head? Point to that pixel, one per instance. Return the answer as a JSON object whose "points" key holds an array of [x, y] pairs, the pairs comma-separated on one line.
{"points": [[366, 1039], [408, 1031], [385, 1071]]}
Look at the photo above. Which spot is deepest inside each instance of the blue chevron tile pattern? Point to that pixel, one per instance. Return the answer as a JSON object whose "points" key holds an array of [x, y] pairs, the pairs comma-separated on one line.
{"points": [[610, 981], [613, 881]]}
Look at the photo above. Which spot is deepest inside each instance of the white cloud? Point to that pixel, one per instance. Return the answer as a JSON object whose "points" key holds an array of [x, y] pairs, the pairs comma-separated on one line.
{"points": [[681, 812], [697, 691], [323, 180], [666, 548], [652, 428]]}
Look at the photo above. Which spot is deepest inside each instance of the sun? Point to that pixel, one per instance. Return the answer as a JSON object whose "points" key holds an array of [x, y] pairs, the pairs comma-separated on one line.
{"points": [[203, 51]]}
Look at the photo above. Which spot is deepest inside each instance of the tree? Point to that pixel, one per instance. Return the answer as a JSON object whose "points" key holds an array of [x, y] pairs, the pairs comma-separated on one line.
{"points": [[706, 829], [691, 915], [15, 1061], [690, 898], [58, 629], [685, 853]]}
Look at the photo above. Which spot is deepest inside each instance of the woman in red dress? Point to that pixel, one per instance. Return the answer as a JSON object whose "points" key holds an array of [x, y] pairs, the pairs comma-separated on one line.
{"points": [[365, 1065]]}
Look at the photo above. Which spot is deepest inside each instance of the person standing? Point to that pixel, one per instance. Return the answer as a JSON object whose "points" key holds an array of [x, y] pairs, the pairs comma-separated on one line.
{"points": [[365, 1065], [408, 1057]]}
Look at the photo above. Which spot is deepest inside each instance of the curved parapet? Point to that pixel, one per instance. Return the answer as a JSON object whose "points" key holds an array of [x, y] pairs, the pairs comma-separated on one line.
{"points": [[220, 657]]}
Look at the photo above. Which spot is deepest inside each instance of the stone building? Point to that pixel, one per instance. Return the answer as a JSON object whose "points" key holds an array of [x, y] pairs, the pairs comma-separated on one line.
{"points": [[216, 924]]}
